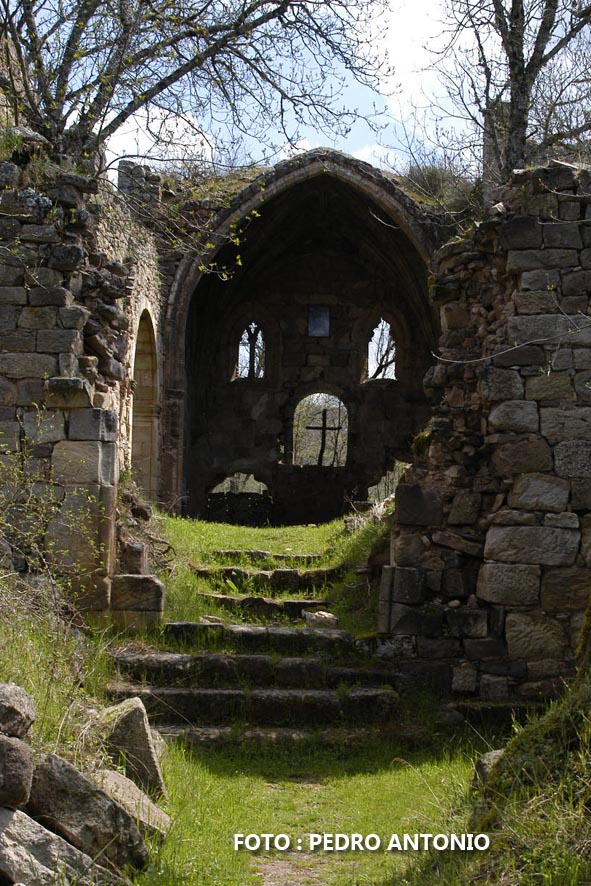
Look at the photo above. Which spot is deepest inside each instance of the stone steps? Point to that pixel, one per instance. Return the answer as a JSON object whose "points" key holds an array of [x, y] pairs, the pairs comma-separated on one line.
{"points": [[260, 638], [263, 707], [335, 736], [224, 670], [265, 607], [257, 556], [278, 580]]}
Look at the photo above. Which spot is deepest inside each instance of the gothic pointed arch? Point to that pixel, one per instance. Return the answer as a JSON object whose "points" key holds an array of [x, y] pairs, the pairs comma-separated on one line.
{"points": [[145, 409]]}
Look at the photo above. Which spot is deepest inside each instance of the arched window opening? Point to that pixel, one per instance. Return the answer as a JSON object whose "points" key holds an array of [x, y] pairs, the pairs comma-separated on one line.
{"points": [[381, 352], [146, 410], [251, 353], [320, 431]]}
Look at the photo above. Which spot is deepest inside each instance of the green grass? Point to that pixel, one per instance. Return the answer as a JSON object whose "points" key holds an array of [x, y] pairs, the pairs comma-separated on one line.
{"points": [[378, 789]]}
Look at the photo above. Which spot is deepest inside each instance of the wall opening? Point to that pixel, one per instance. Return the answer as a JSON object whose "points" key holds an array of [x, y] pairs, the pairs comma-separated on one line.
{"points": [[381, 352], [145, 410], [320, 431], [239, 499], [251, 353]]}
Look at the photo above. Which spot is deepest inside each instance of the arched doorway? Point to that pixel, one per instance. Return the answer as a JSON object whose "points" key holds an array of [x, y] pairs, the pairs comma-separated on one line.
{"points": [[146, 410]]}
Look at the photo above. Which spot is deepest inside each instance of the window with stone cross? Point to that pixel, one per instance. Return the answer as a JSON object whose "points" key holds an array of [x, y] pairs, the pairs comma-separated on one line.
{"points": [[320, 431], [251, 353], [381, 352]]}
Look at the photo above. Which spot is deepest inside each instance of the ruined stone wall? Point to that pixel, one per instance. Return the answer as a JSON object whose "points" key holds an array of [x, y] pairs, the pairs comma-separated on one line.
{"points": [[491, 562]]}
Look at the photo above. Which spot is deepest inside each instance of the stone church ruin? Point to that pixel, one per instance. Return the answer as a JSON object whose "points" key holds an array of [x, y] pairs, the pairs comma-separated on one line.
{"points": [[190, 359]]}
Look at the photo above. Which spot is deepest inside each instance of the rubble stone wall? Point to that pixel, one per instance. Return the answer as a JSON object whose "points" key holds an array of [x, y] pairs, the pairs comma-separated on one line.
{"points": [[491, 550]]}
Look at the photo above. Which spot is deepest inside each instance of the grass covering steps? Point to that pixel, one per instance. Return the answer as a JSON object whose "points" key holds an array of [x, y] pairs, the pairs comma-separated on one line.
{"points": [[265, 707], [272, 579], [256, 556], [265, 606], [222, 669], [261, 638], [336, 736]]}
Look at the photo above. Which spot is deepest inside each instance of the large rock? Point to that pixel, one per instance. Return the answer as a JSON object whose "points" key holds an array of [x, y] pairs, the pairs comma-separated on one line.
{"points": [[509, 585], [65, 801], [17, 710], [484, 765], [151, 820], [16, 771], [33, 856], [539, 492], [532, 637], [129, 738], [546, 545]]}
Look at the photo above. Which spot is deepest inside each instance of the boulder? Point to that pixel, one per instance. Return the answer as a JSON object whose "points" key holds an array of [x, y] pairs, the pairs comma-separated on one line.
{"points": [[150, 819], [484, 765], [17, 710], [129, 737], [68, 803], [16, 771], [33, 855]]}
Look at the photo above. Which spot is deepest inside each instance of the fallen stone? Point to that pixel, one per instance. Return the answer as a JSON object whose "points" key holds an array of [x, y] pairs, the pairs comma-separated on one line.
{"points": [[68, 803], [17, 710], [129, 737], [546, 545], [150, 819], [321, 619], [16, 771], [33, 856], [484, 765]]}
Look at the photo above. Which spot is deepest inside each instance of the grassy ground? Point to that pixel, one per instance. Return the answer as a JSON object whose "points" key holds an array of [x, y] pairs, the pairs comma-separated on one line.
{"points": [[379, 789]]}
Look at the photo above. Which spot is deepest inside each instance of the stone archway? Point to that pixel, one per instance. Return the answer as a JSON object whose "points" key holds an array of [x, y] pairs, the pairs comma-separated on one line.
{"points": [[332, 242], [145, 410]]}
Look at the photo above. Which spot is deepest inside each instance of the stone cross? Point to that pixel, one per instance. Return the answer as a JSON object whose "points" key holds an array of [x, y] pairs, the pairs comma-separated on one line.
{"points": [[323, 428]]}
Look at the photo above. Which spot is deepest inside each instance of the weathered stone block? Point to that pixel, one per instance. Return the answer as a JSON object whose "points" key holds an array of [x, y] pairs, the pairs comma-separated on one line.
{"points": [[72, 806], [129, 739], [13, 295], [418, 505], [539, 492], [467, 622], [7, 317], [66, 256], [565, 520], [438, 647], [457, 542], [27, 365], [17, 710], [19, 341], [465, 508], [540, 280], [133, 556], [490, 647], [454, 316], [464, 679], [16, 771], [9, 174], [409, 586], [59, 341], [572, 459], [93, 424], [73, 316], [494, 688], [415, 620], [534, 302], [566, 589], [562, 235], [137, 592], [50, 296], [68, 393], [541, 259], [553, 386], [150, 819], [580, 495], [85, 462], [565, 424], [37, 318], [523, 355], [577, 283], [550, 328], [545, 545], [521, 456], [521, 232], [44, 427], [583, 386], [11, 276], [40, 233], [501, 384], [519, 416], [35, 277], [532, 637]]}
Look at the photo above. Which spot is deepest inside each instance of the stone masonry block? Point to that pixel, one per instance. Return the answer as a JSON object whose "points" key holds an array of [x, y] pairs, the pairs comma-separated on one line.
{"points": [[572, 459], [93, 424], [13, 295], [566, 589], [501, 384], [509, 585], [539, 492], [519, 416], [44, 427], [559, 424], [467, 622], [59, 341], [534, 637], [28, 365], [137, 592], [545, 545], [85, 462], [524, 455], [408, 586], [553, 386], [417, 505], [550, 328]]}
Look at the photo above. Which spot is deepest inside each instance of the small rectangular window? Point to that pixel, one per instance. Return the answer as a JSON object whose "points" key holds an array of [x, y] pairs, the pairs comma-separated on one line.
{"points": [[318, 321]]}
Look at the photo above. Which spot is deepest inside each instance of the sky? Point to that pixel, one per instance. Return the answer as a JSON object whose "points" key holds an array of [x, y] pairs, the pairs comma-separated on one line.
{"points": [[411, 25]]}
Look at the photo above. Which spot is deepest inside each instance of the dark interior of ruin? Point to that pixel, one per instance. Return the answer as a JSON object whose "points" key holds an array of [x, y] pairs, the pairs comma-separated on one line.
{"points": [[310, 281]]}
